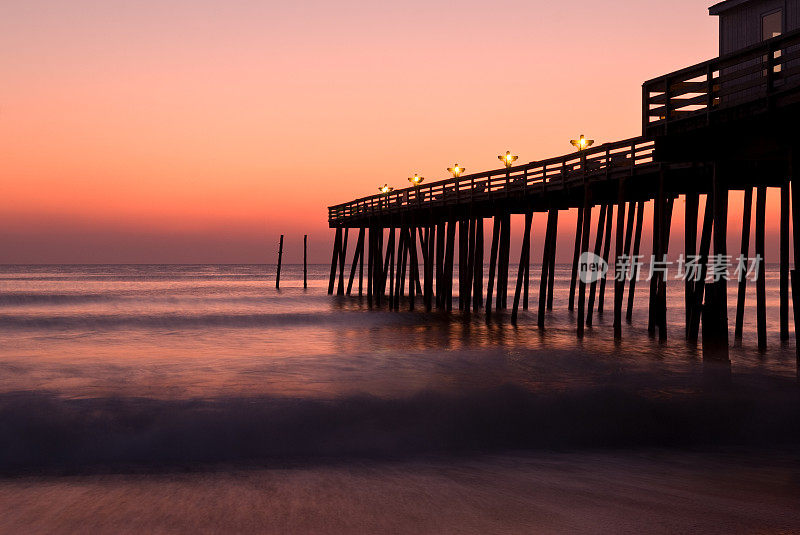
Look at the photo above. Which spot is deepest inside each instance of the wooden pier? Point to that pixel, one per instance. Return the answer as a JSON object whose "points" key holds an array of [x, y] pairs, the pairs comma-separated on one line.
{"points": [[725, 124]]}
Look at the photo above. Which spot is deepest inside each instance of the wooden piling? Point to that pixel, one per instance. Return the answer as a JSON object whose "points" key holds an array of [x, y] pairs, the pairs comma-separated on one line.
{"points": [[524, 257], [448, 275], [690, 250], [477, 290], [492, 264], [280, 259], [463, 244], [740, 301], [587, 220], [761, 288], [337, 244], [370, 258], [526, 270], [699, 284], [413, 285], [471, 255], [598, 244], [606, 253], [575, 257], [546, 266], [635, 267], [551, 270], [784, 267], [503, 262], [619, 248], [440, 237], [357, 258], [720, 302], [342, 260], [305, 261]]}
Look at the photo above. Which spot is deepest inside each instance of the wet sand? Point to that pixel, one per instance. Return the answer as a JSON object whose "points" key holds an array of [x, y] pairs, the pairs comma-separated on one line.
{"points": [[629, 492]]}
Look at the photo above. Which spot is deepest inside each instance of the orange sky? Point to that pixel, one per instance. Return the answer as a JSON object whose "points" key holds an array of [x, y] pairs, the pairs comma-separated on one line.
{"points": [[198, 130]]}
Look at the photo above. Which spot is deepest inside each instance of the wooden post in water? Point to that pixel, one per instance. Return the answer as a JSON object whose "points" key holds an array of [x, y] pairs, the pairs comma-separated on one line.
{"points": [[342, 254], [690, 250], [280, 259], [337, 244], [471, 255], [795, 273], [370, 257], [700, 282], [440, 236], [413, 282], [523, 258], [504, 262], [619, 279], [761, 288], [305, 261], [634, 261], [526, 275], [587, 220], [492, 264], [661, 293], [448, 276], [606, 253], [477, 290], [715, 336], [740, 301], [551, 270], [575, 257], [358, 258], [784, 273], [598, 244], [546, 266]]}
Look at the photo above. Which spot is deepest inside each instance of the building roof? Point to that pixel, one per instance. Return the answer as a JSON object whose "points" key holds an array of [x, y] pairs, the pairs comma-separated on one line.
{"points": [[718, 9]]}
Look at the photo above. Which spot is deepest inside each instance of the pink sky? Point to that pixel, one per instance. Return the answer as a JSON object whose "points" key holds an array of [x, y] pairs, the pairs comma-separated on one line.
{"points": [[199, 131]]}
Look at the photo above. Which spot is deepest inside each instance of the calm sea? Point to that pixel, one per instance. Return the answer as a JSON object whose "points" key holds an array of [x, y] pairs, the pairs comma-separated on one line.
{"points": [[156, 364]]}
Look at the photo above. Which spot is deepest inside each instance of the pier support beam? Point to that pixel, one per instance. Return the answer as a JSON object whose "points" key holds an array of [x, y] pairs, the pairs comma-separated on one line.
{"points": [[492, 264], [524, 258], [606, 252], [342, 261], [598, 244], [784, 269], [690, 250], [575, 257], [549, 245], [635, 267], [761, 283], [715, 335], [551, 270], [620, 248], [587, 220], [337, 245], [358, 259], [742, 296], [699, 284], [477, 290]]}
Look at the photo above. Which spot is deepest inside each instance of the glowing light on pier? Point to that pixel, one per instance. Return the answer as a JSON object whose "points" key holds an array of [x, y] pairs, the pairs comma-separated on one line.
{"points": [[416, 180], [508, 158], [386, 189], [456, 170], [582, 143]]}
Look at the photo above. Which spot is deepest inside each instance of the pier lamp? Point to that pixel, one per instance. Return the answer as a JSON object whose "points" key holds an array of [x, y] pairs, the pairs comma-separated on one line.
{"points": [[582, 143], [386, 189], [416, 180], [508, 158], [456, 170]]}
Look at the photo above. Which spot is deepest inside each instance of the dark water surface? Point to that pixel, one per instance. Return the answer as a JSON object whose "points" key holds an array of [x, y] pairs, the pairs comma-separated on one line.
{"points": [[201, 399], [155, 365]]}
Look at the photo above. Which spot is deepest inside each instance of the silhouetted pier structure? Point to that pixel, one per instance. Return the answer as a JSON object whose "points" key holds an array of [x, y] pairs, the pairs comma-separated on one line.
{"points": [[725, 124]]}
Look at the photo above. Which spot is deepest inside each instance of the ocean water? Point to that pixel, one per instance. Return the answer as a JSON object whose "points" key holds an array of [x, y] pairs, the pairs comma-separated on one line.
{"points": [[113, 379]]}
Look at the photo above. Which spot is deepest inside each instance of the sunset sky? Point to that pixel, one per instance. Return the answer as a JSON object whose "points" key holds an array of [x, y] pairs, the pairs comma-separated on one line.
{"points": [[199, 131]]}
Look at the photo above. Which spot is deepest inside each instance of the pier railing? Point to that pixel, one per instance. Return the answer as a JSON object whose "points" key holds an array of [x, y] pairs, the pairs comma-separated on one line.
{"points": [[755, 78], [605, 161]]}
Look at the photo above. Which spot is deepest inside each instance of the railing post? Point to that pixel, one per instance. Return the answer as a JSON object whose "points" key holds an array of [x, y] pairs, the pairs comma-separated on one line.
{"points": [[666, 104], [710, 91]]}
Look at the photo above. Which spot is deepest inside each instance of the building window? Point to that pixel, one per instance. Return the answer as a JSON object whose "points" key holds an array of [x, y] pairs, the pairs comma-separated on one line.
{"points": [[772, 25]]}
